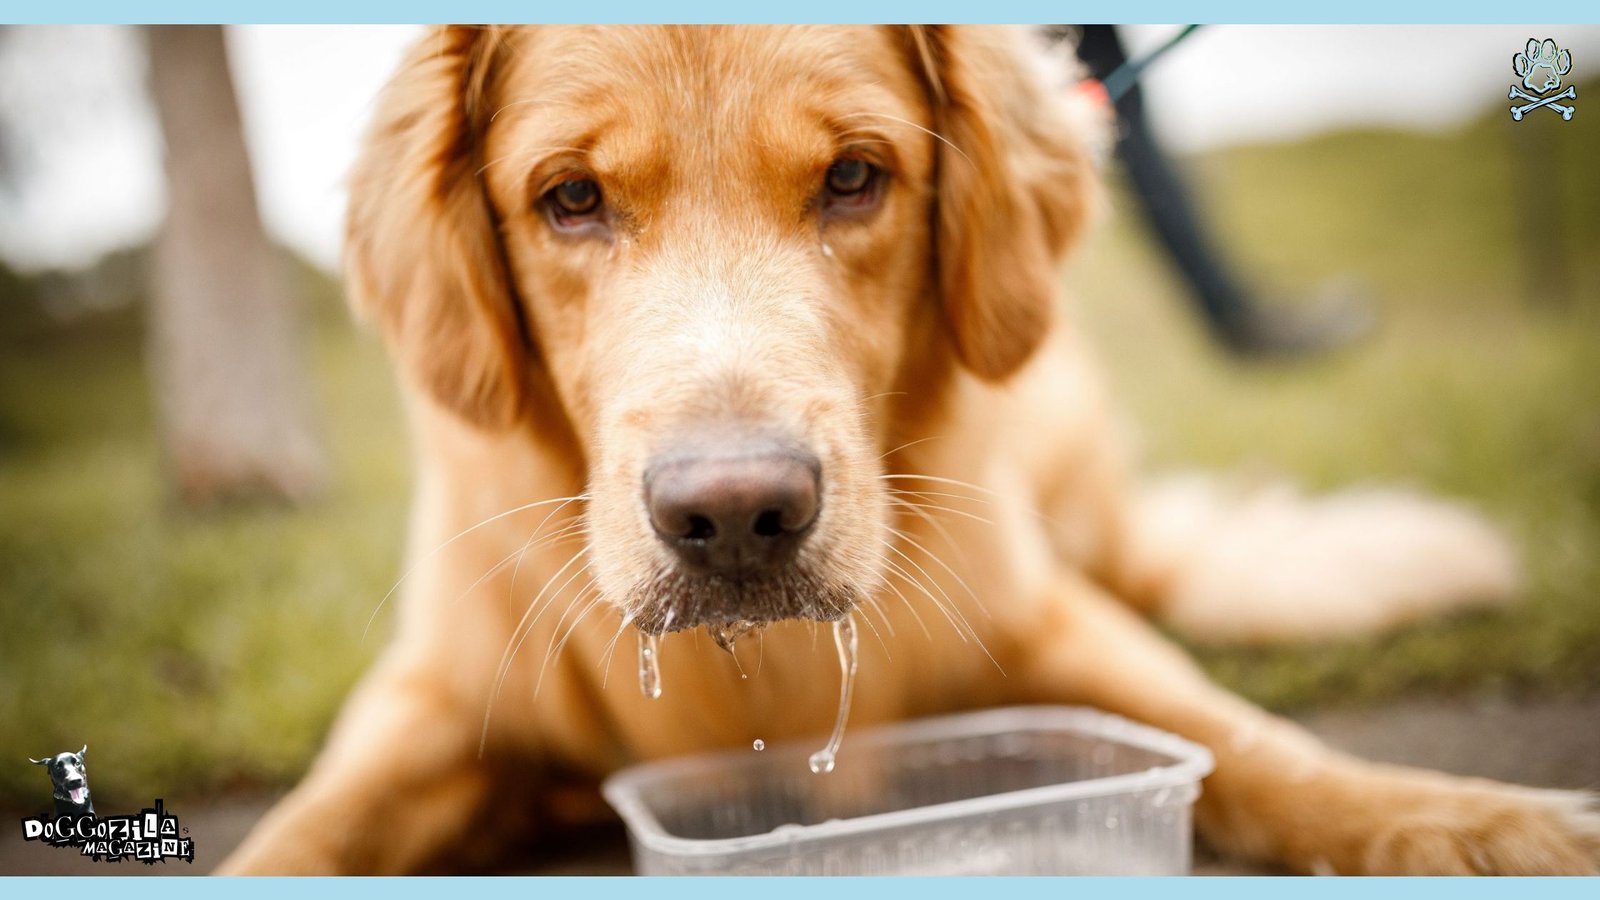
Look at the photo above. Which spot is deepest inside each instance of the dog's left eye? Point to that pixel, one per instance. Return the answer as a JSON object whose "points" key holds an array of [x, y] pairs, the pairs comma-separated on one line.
{"points": [[574, 202], [851, 185], [850, 176]]}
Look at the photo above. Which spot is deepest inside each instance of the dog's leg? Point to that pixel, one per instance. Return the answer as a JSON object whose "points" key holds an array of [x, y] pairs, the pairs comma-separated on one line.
{"points": [[1277, 794], [398, 782], [1267, 564]]}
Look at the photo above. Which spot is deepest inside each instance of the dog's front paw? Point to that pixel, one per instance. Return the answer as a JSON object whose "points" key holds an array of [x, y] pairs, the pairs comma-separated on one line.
{"points": [[1490, 829]]}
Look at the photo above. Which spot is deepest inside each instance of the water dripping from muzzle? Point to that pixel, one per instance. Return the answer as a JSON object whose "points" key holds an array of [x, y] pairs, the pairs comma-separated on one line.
{"points": [[649, 666], [725, 636], [844, 638]]}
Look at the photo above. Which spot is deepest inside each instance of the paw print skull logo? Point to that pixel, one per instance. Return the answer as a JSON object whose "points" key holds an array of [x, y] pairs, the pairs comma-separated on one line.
{"points": [[1541, 66]]}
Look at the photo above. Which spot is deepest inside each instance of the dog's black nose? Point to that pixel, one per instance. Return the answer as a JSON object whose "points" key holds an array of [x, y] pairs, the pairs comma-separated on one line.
{"points": [[739, 506]]}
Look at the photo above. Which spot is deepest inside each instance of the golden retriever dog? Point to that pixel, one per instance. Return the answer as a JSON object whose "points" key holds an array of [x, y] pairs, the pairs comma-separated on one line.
{"points": [[712, 335]]}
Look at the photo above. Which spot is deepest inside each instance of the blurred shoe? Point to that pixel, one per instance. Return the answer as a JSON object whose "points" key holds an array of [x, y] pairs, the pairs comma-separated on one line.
{"points": [[1337, 315]]}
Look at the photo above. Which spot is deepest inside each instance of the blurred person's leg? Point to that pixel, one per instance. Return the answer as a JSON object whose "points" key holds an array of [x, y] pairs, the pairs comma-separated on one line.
{"points": [[1232, 313]]}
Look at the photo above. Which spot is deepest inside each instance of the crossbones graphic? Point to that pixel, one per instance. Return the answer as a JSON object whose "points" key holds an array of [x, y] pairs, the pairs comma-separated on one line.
{"points": [[1517, 112], [1541, 66]]}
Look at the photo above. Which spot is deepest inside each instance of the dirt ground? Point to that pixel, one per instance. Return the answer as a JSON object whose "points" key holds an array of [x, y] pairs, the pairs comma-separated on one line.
{"points": [[1544, 743]]}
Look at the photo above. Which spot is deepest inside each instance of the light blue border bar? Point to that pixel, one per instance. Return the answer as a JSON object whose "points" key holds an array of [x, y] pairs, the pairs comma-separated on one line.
{"points": [[1127, 11], [812, 888]]}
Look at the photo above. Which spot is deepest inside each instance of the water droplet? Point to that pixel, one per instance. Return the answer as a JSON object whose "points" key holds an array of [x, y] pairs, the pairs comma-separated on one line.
{"points": [[649, 666], [844, 638], [759, 745], [726, 635], [822, 761], [827, 250]]}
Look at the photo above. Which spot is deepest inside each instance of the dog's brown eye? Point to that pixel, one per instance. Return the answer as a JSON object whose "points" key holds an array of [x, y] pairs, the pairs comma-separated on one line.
{"points": [[849, 177], [575, 197], [851, 188]]}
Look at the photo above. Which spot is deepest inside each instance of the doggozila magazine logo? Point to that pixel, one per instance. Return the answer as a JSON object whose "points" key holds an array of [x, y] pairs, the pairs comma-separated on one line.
{"points": [[152, 835]]}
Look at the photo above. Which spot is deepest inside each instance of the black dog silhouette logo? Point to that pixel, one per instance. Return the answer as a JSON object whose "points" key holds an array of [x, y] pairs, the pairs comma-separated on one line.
{"points": [[69, 779]]}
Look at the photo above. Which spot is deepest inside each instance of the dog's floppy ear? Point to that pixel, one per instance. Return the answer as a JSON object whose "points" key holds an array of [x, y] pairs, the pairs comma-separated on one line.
{"points": [[40, 762], [84, 750], [1016, 182], [423, 252]]}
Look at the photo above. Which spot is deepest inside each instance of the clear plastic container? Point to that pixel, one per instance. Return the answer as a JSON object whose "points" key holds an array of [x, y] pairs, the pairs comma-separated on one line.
{"points": [[1044, 790]]}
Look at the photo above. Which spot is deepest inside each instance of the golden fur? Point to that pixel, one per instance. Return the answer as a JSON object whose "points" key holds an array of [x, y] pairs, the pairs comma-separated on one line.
{"points": [[975, 508]]}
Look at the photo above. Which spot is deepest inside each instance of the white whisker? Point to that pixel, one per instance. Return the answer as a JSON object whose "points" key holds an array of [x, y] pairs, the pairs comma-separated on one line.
{"points": [[554, 647], [907, 601], [942, 564], [954, 608], [908, 444], [920, 510], [938, 508], [898, 476], [435, 551], [888, 625], [939, 479], [899, 570], [868, 621], [515, 554], [926, 131], [611, 649], [555, 628], [513, 643], [511, 591], [524, 153]]}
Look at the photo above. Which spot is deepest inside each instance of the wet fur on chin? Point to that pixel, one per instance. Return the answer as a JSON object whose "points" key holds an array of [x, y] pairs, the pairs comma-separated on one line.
{"points": [[676, 601]]}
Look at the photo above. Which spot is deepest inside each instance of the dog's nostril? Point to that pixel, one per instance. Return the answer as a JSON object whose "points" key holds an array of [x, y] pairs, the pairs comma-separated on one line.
{"points": [[700, 529], [769, 523]]}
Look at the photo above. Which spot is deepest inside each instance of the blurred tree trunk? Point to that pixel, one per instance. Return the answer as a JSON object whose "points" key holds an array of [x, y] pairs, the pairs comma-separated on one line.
{"points": [[225, 329]]}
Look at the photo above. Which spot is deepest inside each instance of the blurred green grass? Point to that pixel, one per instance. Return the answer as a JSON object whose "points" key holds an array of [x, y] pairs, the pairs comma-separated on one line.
{"points": [[203, 652], [192, 651]]}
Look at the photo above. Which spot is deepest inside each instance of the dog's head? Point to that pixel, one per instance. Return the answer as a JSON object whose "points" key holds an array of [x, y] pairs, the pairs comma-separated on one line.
{"points": [[68, 776], [723, 260]]}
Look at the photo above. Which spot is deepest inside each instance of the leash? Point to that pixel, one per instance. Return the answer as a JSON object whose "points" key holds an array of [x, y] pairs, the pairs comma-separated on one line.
{"points": [[1124, 77]]}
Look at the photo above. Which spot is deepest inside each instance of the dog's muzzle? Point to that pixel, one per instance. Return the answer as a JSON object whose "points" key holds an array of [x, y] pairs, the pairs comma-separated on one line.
{"points": [[736, 510]]}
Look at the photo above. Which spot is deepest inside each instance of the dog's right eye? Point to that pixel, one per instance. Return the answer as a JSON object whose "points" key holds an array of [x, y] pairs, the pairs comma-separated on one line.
{"points": [[574, 202]]}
